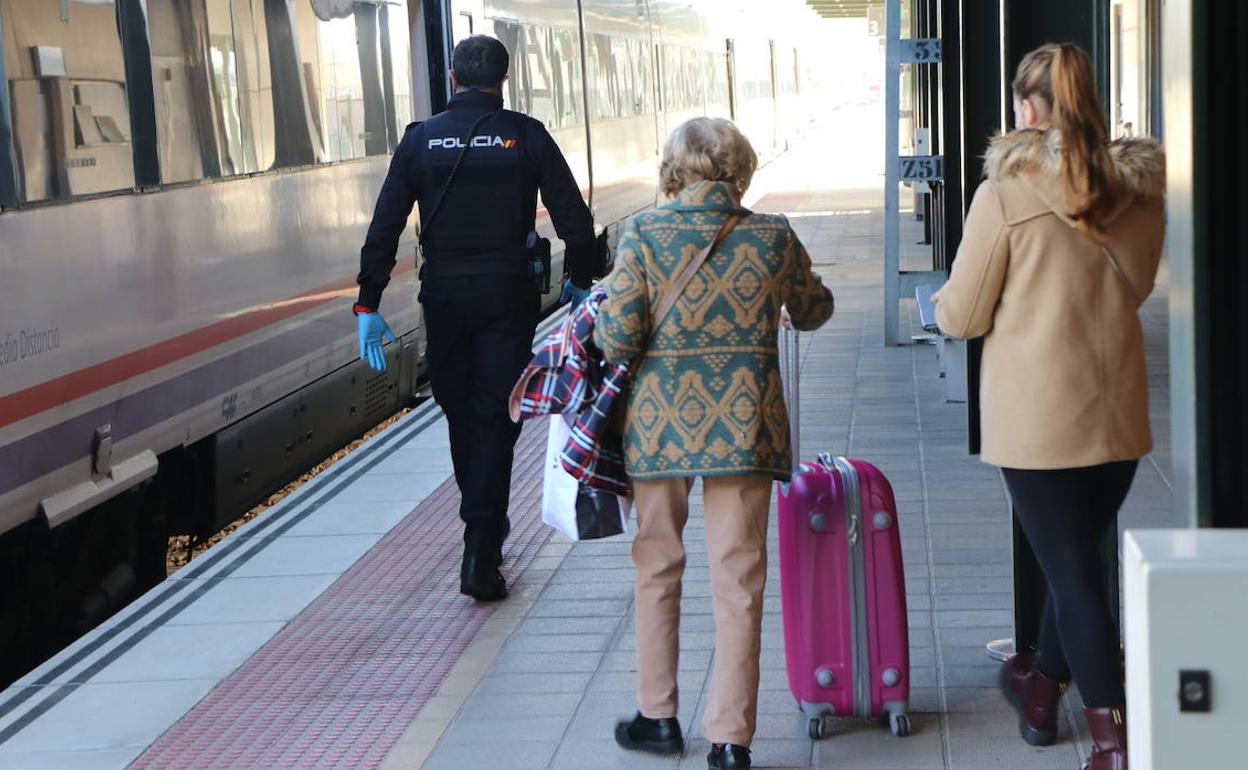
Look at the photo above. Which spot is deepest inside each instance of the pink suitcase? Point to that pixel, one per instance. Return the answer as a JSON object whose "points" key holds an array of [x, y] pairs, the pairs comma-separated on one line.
{"points": [[842, 586]]}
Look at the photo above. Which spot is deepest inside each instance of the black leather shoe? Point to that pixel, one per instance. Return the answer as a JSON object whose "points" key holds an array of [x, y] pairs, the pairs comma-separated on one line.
{"points": [[653, 736], [479, 578], [728, 756]]}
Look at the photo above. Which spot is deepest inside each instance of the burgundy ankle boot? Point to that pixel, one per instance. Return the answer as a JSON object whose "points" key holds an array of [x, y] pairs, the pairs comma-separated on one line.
{"points": [[1108, 727], [1034, 696]]}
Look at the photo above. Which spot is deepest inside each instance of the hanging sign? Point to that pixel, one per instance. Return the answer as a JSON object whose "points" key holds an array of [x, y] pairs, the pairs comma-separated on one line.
{"points": [[920, 50], [921, 168]]}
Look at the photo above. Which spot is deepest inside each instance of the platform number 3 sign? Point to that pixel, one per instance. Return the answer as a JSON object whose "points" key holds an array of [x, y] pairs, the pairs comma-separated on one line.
{"points": [[875, 21]]}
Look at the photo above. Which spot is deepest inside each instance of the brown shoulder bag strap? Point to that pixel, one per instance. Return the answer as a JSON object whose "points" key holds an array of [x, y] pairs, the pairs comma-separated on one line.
{"points": [[1113, 261], [668, 300]]}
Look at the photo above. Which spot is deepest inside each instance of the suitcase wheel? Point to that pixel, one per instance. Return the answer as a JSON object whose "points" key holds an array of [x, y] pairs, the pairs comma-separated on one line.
{"points": [[817, 728], [899, 724]]}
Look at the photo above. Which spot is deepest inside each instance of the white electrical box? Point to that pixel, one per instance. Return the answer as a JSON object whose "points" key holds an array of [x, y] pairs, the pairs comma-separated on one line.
{"points": [[1186, 594]]}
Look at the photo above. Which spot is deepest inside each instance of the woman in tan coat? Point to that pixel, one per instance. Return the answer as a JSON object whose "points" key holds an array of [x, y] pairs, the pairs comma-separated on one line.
{"points": [[1061, 248], [705, 400]]}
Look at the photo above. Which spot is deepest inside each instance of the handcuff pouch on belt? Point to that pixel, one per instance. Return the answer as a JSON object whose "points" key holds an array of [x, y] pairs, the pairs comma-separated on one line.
{"points": [[537, 251]]}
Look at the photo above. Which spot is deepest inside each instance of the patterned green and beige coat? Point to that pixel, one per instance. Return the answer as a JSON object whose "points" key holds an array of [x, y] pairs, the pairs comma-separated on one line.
{"points": [[706, 398]]}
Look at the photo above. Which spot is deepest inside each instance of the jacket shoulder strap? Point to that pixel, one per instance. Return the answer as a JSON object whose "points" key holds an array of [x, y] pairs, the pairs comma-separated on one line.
{"points": [[677, 287]]}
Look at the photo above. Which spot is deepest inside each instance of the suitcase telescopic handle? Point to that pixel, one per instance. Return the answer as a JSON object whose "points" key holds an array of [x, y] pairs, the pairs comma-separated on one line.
{"points": [[790, 372]]}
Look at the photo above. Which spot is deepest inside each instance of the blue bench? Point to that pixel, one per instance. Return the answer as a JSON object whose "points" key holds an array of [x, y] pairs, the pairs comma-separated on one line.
{"points": [[927, 308], [950, 353]]}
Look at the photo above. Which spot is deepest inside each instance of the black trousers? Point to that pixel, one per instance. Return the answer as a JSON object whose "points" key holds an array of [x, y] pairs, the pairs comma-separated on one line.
{"points": [[480, 335], [1065, 513]]}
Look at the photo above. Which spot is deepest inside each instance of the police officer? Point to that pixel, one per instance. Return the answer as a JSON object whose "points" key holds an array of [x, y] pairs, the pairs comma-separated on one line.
{"points": [[477, 208]]}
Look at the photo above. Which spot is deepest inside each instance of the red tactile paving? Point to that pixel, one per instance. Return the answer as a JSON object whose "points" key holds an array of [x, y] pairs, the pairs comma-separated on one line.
{"points": [[339, 685]]}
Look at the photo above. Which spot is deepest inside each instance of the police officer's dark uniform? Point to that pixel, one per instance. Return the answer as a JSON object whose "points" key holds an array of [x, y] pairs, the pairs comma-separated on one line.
{"points": [[480, 304]]}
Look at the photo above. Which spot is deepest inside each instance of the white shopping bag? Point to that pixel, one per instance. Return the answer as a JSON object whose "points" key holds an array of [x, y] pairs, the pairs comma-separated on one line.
{"points": [[576, 510]]}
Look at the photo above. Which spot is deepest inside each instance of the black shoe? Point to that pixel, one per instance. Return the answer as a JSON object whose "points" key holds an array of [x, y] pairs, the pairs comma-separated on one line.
{"points": [[653, 736], [480, 579], [728, 756]]}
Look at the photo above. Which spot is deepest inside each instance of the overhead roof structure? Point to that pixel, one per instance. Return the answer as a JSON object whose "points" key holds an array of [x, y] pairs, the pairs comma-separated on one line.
{"points": [[843, 9]]}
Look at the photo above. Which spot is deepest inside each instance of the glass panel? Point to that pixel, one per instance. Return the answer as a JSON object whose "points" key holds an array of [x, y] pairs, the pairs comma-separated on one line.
{"points": [[1130, 70], [607, 101], [293, 35], [623, 71], [567, 63], [342, 91], [357, 89], [207, 80], [257, 86], [67, 92], [394, 41], [515, 92], [254, 84], [540, 83]]}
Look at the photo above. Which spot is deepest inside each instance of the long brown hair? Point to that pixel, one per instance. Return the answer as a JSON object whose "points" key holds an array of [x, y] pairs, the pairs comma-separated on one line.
{"points": [[1061, 74]]}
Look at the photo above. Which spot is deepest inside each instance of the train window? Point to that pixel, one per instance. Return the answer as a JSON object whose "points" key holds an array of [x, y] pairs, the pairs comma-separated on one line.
{"points": [[294, 53], [691, 80], [566, 62], [360, 84], [342, 90], [396, 69], [545, 77], [539, 75], [341, 87], [67, 90], [602, 80], [673, 74], [643, 73], [207, 84], [626, 76], [511, 35], [255, 80]]}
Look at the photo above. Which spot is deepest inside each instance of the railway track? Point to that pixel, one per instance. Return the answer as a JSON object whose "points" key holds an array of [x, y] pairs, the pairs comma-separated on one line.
{"points": [[184, 548]]}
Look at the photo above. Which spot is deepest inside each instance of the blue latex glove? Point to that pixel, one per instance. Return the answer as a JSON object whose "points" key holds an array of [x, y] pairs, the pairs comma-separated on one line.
{"points": [[572, 293], [372, 329]]}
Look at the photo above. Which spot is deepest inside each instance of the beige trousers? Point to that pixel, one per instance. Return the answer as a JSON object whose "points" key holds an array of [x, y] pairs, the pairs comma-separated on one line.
{"points": [[736, 533]]}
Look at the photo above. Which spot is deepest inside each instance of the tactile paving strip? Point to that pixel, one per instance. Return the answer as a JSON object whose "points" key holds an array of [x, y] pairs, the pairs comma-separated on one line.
{"points": [[337, 687]]}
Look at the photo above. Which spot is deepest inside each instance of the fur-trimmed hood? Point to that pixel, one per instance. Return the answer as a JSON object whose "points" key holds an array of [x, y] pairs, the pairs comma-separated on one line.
{"points": [[1141, 161]]}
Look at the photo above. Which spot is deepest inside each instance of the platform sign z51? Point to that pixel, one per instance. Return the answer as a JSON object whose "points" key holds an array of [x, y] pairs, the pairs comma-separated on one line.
{"points": [[921, 168]]}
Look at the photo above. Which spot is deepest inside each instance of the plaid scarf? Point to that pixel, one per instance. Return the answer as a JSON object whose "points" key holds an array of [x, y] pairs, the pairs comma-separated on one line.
{"points": [[568, 374]]}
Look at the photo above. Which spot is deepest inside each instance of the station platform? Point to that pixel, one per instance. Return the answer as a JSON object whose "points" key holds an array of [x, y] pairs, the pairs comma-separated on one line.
{"points": [[329, 633]]}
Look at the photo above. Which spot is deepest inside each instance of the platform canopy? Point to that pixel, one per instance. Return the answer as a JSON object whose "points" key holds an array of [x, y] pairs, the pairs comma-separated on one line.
{"points": [[843, 9]]}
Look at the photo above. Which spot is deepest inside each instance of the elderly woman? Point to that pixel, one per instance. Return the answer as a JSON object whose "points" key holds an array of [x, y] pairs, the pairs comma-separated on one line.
{"points": [[706, 400]]}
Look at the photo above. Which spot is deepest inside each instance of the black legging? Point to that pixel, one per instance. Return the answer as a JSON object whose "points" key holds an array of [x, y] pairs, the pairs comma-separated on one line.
{"points": [[1065, 514]]}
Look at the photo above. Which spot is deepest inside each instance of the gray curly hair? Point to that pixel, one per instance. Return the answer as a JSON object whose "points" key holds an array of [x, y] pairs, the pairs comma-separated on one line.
{"points": [[707, 149]]}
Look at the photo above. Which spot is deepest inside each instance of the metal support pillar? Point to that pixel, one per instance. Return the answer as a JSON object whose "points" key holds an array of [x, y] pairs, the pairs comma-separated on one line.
{"points": [[897, 282]]}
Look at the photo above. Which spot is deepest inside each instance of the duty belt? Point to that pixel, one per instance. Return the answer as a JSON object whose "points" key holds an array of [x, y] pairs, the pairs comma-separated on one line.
{"points": [[453, 267]]}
